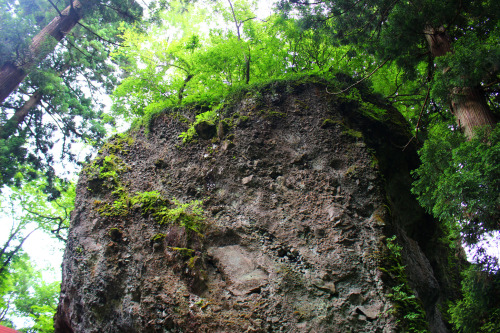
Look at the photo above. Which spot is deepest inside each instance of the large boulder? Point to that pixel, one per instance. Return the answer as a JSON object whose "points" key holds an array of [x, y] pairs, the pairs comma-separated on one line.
{"points": [[298, 197]]}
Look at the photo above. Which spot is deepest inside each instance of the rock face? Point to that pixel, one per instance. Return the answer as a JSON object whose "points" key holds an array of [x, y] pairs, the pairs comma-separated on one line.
{"points": [[299, 188]]}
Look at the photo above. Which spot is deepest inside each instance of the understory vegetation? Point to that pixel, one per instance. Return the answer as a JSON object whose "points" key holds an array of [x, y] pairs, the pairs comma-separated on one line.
{"points": [[407, 308], [436, 62]]}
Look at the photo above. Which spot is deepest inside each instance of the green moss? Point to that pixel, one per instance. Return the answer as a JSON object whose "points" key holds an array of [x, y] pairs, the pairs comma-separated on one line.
{"points": [[351, 171], [119, 144], [105, 171], [243, 120], [192, 262], [365, 107], [188, 215], [352, 133], [159, 237], [208, 117], [227, 124], [185, 252], [117, 208], [115, 234], [112, 165], [148, 202], [329, 123], [271, 114]]}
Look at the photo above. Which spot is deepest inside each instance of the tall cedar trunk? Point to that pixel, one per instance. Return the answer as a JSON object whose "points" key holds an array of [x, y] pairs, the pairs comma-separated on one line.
{"points": [[18, 117], [470, 109], [10, 127], [468, 103], [12, 74]]}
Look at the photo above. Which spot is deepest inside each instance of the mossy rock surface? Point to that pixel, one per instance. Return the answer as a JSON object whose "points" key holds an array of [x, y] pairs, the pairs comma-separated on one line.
{"points": [[294, 217], [205, 129]]}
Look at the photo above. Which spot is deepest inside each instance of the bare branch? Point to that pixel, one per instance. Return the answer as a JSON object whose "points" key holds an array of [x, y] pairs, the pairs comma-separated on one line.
{"points": [[419, 117], [77, 48], [235, 20], [358, 82], [122, 13], [5, 263], [98, 36], [55, 7]]}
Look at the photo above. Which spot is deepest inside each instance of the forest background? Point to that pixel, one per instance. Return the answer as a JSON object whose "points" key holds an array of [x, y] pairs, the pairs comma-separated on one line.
{"points": [[437, 62]]}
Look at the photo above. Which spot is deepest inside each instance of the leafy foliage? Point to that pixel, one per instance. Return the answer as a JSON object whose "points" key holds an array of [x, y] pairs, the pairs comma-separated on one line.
{"points": [[24, 294], [30, 207], [59, 100], [188, 64], [479, 310], [410, 313], [397, 32], [459, 181]]}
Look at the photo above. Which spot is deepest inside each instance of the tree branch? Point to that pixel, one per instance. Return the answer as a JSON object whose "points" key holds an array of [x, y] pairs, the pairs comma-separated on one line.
{"points": [[55, 7], [358, 82], [122, 13], [13, 253], [98, 36], [235, 20]]}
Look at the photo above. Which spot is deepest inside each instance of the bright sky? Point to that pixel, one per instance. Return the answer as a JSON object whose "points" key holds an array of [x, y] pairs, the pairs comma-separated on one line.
{"points": [[45, 252]]}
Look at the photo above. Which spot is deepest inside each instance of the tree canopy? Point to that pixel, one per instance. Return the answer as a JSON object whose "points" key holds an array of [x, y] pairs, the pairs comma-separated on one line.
{"points": [[63, 68], [456, 40]]}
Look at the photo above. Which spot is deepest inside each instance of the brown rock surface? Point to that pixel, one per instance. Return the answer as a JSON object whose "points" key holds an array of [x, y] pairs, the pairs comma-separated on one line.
{"points": [[296, 212]]}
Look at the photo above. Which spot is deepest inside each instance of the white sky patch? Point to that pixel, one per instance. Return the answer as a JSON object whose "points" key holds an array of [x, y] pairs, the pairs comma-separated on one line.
{"points": [[491, 243]]}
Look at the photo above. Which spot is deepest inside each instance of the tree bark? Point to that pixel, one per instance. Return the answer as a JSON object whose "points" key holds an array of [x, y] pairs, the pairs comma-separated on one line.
{"points": [[247, 59], [471, 110], [18, 117], [12, 74], [468, 104], [181, 90]]}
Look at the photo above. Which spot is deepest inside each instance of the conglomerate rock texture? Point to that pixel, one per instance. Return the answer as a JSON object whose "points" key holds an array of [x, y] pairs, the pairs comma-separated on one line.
{"points": [[299, 187]]}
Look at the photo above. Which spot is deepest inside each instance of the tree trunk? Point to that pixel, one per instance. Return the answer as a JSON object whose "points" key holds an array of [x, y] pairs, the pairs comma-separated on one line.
{"points": [[181, 90], [13, 123], [468, 104], [12, 74], [247, 68], [470, 109]]}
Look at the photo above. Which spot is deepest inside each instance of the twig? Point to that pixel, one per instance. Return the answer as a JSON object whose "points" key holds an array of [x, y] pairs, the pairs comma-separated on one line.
{"points": [[422, 110], [358, 82], [122, 13], [419, 118], [55, 7], [78, 49], [100, 37]]}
